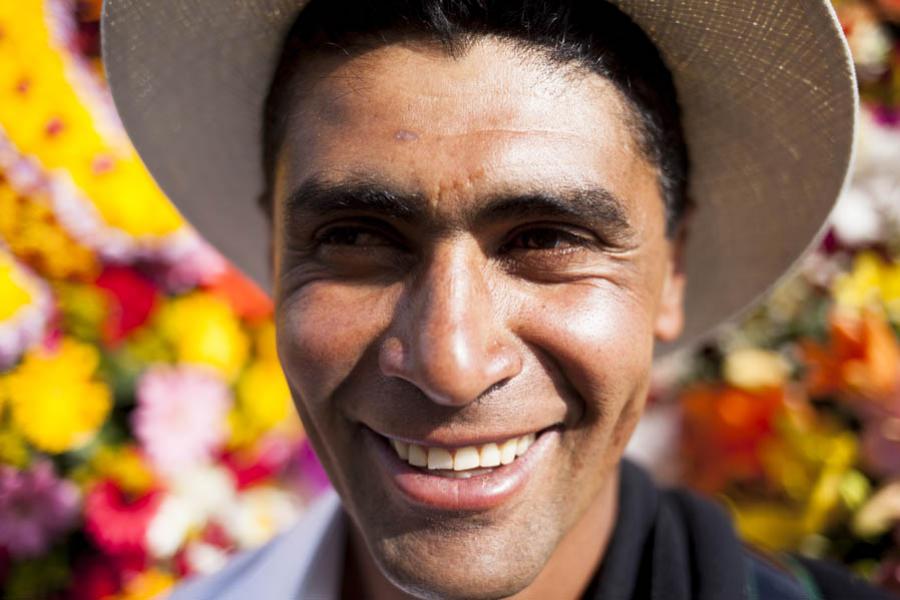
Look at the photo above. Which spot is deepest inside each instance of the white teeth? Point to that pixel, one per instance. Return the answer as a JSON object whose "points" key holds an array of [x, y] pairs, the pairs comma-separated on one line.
{"points": [[418, 456], [490, 455], [466, 461], [466, 458], [438, 458], [508, 451], [402, 449], [524, 443]]}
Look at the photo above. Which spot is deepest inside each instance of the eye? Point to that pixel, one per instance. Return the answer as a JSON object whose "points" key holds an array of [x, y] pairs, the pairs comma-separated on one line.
{"points": [[353, 235], [545, 238]]}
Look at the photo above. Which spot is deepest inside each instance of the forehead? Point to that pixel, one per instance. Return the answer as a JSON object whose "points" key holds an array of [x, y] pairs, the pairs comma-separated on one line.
{"points": [[496, 117]]}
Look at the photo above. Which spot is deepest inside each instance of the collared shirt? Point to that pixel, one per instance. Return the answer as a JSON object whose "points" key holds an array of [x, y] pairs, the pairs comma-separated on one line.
{"points": [[666, 545]]}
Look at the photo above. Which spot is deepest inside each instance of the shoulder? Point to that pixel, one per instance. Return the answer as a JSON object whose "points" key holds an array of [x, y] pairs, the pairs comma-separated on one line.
{"points": [[789, 577]]}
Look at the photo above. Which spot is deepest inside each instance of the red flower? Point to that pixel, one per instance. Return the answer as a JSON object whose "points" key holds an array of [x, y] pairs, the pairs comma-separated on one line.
{"points": [[132, 300], [118, 524], [264, 461]]}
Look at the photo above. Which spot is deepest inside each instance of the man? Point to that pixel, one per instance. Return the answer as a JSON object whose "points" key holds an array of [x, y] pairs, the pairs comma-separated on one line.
{"points": [[475, 216]]}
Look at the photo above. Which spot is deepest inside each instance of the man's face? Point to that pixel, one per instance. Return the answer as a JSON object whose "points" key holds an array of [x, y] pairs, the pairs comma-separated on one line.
{"points": [[467, 250]]}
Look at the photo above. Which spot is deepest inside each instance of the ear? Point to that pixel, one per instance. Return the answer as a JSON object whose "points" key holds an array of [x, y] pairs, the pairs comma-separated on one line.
{"points": [[670, 316]]}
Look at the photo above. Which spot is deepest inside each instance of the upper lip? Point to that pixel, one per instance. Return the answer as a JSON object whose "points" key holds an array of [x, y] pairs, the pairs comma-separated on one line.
{"points": [[455, 440]]}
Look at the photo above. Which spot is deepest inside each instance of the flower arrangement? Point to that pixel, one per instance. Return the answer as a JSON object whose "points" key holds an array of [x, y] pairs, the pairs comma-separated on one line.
{"points": [[792, 417], [113, 313]]}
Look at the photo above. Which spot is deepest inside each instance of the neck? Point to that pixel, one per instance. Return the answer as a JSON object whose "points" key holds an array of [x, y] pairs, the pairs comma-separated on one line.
{"points": [[565, 576]]}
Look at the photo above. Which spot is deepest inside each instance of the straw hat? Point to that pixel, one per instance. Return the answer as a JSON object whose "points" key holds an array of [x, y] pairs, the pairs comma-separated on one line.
{"points": [[766, 87]]}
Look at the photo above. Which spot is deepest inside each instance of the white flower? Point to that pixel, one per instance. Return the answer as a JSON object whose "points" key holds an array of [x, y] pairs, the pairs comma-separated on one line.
{"points": [[205, 559], [856, 219], [260, 514], [169, 527], [195, 497]]}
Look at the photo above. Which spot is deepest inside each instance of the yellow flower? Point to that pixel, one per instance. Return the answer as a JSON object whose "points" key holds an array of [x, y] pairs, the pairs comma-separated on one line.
{"points": [[202, 329], [12, 449], [264, 341], [54, 399], [263, 402], [125, 466], [14, 292], [32, 232], [872, 281], [753, 368], [149, 585], [44, 116], [770, 525]]}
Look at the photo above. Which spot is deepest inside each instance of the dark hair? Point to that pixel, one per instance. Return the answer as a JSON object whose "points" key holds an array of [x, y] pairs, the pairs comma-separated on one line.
{"points": [[589, 33]]}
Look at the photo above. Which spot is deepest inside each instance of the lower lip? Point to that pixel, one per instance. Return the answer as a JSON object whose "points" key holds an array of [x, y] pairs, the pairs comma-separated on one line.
{"points": [[475, 494]]}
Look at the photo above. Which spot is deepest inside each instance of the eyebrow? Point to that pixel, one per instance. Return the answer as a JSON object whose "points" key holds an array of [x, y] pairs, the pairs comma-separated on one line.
{"points": [[595, 205], [318, 197]]}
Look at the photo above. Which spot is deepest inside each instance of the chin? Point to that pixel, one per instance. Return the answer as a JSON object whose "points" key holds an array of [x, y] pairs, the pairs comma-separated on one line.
{"points": [[479, 564]]}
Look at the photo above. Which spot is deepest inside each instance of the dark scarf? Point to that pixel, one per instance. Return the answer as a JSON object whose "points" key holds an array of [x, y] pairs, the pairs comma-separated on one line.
{"points": [[668, 545]]}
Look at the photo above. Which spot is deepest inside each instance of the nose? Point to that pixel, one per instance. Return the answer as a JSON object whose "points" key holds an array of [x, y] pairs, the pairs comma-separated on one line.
{"points": [[449, 338]]}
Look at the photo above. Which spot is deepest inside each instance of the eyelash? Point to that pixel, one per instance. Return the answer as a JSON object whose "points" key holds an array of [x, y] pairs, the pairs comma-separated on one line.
{"points": [[567, 240]]}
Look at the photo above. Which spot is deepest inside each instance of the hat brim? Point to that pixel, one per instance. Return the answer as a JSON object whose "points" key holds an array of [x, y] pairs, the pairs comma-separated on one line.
{"points": [[766, 87]]}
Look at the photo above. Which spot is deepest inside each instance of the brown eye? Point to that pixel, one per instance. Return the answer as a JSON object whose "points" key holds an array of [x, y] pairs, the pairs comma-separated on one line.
{"points": [[545, 238], [353, 236]]}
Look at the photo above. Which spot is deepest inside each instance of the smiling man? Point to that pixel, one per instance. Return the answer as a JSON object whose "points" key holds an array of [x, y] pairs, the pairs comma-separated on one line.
{"points": [[474, 215]]}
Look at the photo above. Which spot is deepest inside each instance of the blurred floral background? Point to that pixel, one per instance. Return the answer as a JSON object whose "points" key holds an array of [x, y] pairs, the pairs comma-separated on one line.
{"points": [[146, 432]]}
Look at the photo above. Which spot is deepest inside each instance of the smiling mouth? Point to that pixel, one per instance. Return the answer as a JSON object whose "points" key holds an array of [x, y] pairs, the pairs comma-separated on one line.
{"points": [[464, 462]]}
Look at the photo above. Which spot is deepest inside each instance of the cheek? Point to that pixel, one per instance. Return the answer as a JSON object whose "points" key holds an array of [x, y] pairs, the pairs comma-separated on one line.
{"points": [[324, 331], [600, 338]]}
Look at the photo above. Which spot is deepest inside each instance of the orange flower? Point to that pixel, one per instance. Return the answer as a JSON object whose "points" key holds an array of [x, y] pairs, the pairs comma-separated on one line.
{"points": [[247, 300], [862, 357], [724, 427]]}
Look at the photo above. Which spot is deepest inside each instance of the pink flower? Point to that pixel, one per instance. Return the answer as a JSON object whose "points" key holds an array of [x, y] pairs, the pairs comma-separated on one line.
{"points": [[180, 417], [35, 508]]}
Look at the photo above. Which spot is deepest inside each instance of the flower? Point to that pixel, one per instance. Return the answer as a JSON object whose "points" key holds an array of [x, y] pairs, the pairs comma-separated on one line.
{"points": [[132, 298], [194, 498], [263, 402], [753, 368], [259, 514], [55, 401], [862, 358], [35, 509], [33, 233], [148, 585], [880, 513], [126, 467], [245, 298], [856, 219], [180, 418], [204, 559], [203, 330], [25, 308], [12, 447], [873, 282], [117, 523], [731, 424], [263, 460]]}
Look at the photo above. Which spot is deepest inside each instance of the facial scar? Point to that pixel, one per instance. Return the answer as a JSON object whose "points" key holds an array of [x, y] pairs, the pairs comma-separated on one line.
{"points": [[404, 135]]}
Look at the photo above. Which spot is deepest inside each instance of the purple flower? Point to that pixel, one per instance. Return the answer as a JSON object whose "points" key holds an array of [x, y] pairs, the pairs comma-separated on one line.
{"points": [[35, 508]]}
